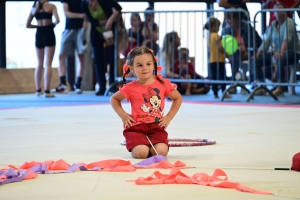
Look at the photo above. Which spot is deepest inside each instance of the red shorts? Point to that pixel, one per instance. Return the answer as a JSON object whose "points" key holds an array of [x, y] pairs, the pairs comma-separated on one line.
{"points": [[136, 135]]}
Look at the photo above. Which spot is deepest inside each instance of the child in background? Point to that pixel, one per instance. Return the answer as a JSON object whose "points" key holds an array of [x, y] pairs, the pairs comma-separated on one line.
{"points": [[184, 69], [144, 128], [217, 55], [135, 36]]}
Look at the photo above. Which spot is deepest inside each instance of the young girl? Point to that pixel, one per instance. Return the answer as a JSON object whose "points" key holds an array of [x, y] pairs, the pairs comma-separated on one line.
{"points": [[135, 36], [146, 124], [217, 55], [45, 42], [185, 69]]}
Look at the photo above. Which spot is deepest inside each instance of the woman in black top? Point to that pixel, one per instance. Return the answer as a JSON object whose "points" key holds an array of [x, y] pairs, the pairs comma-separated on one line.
{"points": [[44, 42], [102, 14], [150, 31], [135, 36]]}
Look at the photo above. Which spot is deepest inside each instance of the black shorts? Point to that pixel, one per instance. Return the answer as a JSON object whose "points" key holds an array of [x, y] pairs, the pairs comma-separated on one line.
{"points": [[45, 37]]}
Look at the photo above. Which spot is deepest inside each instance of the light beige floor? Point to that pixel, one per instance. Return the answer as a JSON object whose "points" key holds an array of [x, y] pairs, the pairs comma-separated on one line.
{"points": [[251, 141]]}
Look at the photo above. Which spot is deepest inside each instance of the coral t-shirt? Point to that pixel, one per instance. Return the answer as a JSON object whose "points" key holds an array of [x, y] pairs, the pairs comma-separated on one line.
{"points": [[147, 101]]}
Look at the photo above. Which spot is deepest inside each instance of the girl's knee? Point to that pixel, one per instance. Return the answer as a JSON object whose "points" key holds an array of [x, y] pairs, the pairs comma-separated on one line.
{"points": [[140, 152], [161, 148]]}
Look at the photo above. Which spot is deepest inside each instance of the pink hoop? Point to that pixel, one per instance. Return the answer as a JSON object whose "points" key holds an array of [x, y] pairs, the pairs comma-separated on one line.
{"points": [[189, 142], [186, 142]]}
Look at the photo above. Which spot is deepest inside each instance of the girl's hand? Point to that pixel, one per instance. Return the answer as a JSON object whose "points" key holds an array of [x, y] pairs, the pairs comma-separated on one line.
{"points": [[102, 22], [127, 120], [276, 56], [164, 122]]}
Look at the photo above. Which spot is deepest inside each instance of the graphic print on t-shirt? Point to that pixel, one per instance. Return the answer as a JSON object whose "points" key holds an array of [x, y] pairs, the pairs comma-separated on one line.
{"points": [[151, 106]]}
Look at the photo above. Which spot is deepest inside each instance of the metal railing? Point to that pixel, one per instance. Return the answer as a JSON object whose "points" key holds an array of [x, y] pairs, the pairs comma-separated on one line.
{"points": [[189, 27]]}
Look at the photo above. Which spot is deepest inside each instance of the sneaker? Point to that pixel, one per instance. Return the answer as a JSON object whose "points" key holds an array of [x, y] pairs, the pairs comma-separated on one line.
{"points": [[49, 95], [39, 93], [61, 89], [77, 90]]}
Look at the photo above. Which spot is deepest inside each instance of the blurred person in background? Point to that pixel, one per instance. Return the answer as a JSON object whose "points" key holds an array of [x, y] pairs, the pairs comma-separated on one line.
{"points": [[45, 42], [103, 15], [73, 39]]}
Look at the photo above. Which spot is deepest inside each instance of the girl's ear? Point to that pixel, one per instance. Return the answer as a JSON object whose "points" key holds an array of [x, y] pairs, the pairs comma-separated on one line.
{"points": [[131, 68]]}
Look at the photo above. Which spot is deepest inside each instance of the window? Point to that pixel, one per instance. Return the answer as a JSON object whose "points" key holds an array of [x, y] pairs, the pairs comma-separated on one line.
{"points": [[20, 41]]}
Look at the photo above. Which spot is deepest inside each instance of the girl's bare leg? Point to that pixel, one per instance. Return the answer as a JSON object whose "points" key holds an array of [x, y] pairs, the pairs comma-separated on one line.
{"points": [[39, 70], [49, 53]]}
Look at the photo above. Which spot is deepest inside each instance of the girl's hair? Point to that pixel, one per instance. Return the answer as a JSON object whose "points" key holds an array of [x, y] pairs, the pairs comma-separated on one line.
{"points": [[212, 22], [168, 41], [40, 4], [149, 9], [168, 46], [137, 15], [184, 53], [122, 36], [137, 52]]}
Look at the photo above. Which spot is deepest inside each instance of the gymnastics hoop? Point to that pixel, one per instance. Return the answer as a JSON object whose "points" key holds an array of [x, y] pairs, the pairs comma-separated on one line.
{"points": [[186, 142]]}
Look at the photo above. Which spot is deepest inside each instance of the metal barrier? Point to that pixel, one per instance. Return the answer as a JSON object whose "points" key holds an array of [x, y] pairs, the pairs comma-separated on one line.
{"points": [[273, 61], [188, 25]]}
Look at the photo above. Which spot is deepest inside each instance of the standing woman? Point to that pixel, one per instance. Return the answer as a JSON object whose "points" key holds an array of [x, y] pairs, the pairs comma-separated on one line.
{"points": [[43, 11], [102, 14]]}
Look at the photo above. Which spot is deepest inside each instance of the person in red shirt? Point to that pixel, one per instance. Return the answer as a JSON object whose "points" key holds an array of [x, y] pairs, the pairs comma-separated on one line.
{"points": [[269, 4], [184, 69], [145, 128]]}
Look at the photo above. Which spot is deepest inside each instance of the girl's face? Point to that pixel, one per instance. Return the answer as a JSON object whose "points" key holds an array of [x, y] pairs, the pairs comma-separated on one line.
{"points": [[143, 67], [149, 17], [280, 15], [134, 21]]}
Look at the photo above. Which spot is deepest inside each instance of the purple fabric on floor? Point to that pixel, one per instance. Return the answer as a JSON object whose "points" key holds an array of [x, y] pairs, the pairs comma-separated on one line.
{"points": [[36, 168], [13, 176], [151, 160]]}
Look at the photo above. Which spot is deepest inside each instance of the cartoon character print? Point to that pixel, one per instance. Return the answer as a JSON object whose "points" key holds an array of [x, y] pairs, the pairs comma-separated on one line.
{"points": [[153, 98]]}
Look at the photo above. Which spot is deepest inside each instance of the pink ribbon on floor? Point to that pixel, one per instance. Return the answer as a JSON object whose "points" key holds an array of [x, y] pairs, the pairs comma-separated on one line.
{"points": [[218, 179]]}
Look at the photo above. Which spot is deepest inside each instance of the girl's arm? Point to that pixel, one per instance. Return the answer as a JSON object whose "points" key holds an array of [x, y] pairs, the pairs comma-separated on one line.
{"points": [[30, 18], [219, 45], [55, 15], [177, 100], [155, 34], [115, 102]]}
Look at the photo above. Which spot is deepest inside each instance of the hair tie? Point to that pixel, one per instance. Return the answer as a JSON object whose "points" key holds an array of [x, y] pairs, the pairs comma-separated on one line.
{"points": [[125, 69]]}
